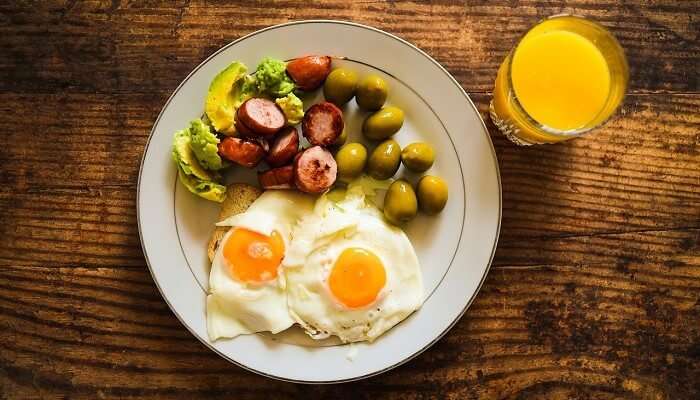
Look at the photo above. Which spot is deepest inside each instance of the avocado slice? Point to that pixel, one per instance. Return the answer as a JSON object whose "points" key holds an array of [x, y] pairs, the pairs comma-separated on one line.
{"points": [[224, 97], [206, 189], [185, 159]]}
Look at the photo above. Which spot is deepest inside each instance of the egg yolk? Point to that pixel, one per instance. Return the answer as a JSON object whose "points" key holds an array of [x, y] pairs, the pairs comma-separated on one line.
{"points": [[253, 257], [357, 277]]}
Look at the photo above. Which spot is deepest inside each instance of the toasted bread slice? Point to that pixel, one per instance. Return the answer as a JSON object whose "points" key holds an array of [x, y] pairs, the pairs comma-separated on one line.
{"points": [[239, 196]]}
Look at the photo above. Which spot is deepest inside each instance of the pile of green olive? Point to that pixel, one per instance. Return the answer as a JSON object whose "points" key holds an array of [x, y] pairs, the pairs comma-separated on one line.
{"points": [[401, 202]]}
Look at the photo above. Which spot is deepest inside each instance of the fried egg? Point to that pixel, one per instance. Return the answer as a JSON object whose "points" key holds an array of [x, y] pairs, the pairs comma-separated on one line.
{"points": [[349, 273], [247, 291]]}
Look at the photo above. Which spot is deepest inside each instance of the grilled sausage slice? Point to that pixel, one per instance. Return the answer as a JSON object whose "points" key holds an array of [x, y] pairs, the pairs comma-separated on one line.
{"points": [[261, 116], [315, 170], [322, 124], [284, 147], [309, 72], [243, 151], [277, 178]]}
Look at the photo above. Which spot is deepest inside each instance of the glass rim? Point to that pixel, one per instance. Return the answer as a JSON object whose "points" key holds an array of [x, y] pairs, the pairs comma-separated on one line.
{"points": [[570, 132]]}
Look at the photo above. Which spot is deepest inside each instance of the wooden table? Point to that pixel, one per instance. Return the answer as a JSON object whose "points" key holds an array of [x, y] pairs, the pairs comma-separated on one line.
{"points": [[594, 291]]}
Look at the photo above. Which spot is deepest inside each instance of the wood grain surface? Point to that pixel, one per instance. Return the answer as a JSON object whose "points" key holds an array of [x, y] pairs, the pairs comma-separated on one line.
{"points": [[595, 289]]}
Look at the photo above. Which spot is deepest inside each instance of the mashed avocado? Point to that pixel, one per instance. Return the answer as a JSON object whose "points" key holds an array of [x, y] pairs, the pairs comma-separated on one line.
{"points": [[204, 145], [191, 173], [292, 107], [245, 89], [271, 78]]}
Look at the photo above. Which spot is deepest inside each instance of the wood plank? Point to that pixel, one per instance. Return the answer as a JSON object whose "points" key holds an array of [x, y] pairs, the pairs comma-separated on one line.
{"points": [[98, 140], [98, 228], [148, 47], [85, 332], [594, 292], [638, 173]]}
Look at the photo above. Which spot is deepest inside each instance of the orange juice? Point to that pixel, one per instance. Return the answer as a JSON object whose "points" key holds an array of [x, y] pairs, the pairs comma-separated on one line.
{"points": [[566, 76], [563, 92]]}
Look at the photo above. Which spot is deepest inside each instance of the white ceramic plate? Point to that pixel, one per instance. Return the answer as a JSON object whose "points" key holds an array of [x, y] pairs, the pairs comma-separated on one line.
{"points": [[455, 248]]}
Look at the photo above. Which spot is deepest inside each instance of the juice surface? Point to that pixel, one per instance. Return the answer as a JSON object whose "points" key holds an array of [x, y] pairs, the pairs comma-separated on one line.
{"points": [[560, 78]]}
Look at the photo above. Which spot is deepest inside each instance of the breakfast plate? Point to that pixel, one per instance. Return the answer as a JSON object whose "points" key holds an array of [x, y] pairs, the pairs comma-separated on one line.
{"points": [[454, 248]]}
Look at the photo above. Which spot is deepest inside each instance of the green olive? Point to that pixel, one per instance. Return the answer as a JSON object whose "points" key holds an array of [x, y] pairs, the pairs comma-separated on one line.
{"points": [[418, 157], [340, 140], [340, 86], [384, 160], [371, 93], [383, 123], [351, 160], [400, 203], [432, 194]]}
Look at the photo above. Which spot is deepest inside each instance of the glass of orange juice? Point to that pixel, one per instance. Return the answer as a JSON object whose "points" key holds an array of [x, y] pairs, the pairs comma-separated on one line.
{"points": [[566, 76]]}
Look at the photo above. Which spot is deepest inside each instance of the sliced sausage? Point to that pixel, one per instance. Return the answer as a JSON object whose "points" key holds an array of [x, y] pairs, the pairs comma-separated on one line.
{"points": [[243, 151], [309, 72], [284, 147], [261, 141], [296, 156], [322, 124], [315, 170], [262, 116], [277, 178], [242, 129]]}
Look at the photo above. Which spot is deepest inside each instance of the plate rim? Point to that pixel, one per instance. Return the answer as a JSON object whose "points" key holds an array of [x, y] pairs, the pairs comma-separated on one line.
{"points": [[484, 131]]}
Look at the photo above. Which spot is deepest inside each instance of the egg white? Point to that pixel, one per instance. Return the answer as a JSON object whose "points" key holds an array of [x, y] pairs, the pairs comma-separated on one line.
{"points": [[319, 238], [234, 307]]}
